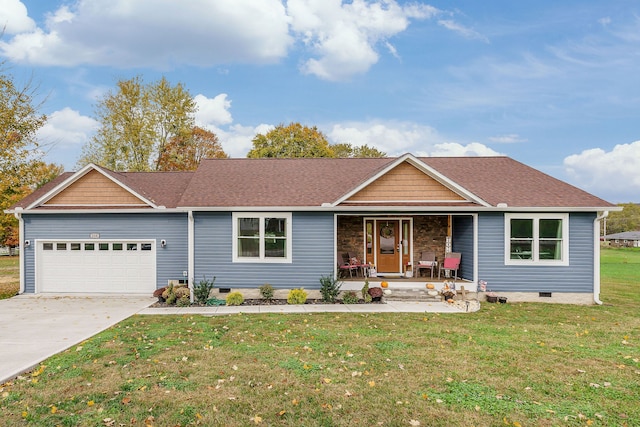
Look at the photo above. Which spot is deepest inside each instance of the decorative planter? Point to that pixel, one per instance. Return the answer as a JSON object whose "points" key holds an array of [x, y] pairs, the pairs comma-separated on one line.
{"points": [[492, 298], [502, 300]]}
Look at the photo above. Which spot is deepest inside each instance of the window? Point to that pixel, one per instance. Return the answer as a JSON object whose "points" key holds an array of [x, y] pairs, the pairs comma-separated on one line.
{"points": [[74, 246], [116, 247], [537, 239], [261, 237], [89, 246], [47, 246], [145, 246], [61, 246], [132, 246]]}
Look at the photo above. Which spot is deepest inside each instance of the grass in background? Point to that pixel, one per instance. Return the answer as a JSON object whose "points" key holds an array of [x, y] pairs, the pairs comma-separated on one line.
{"points": [[508, 364], [9, 276]]}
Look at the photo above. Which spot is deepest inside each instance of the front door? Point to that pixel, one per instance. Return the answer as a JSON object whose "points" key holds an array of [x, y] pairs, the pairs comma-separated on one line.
{"points": [[388, 241]]}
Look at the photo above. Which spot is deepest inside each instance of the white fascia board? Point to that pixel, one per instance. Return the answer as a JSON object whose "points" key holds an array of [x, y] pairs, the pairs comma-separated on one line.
{"points": [[107, 210], [426, 169], [76, 176]]}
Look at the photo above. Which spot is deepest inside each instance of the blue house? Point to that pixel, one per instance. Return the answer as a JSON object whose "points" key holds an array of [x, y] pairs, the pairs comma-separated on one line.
{"points": [[287, 222]]}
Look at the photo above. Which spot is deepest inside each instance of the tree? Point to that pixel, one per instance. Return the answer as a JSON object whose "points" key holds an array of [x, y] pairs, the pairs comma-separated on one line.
{"points": [[136, 123], [293, 140], [32, 176], [343, 150], [19, 122], [296, 140], [626, 220], [184, 152]]}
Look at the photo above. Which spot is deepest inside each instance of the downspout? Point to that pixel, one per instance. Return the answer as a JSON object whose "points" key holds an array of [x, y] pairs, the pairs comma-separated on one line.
{"points": [[596, 256], [21, 260], [191, 253]]}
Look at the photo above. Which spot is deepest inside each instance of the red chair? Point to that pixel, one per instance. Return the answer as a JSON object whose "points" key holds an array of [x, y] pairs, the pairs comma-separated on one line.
{"points": [[348, 266], [450, 264]]}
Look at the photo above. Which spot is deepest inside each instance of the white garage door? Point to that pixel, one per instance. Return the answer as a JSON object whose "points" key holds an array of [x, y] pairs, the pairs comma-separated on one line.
{"points": [[124, 266]]}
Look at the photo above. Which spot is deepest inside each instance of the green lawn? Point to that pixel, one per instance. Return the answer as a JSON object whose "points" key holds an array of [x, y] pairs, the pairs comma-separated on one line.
{"points": [[9, 276], [511, 364]]}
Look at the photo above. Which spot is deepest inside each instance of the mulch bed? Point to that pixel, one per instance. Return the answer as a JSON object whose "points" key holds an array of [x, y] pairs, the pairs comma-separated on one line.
{"points": [[262, 302]]}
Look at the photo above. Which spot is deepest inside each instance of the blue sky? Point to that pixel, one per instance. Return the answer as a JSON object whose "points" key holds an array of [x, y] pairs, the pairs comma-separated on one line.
{"points": [[552, 84]]}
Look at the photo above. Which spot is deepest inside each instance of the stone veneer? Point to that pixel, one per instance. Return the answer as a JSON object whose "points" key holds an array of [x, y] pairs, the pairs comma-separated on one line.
{"points": [[429, 235]]}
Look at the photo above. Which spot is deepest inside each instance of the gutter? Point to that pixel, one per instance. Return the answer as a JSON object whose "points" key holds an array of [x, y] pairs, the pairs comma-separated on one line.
{"points": [[596, 256], [18, 214], [190, 253]]}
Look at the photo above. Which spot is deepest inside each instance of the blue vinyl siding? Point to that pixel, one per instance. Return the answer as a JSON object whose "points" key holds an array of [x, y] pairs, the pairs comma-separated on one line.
{"points": [[171, 261], [312, 253], [576, 277], [462, 241]]}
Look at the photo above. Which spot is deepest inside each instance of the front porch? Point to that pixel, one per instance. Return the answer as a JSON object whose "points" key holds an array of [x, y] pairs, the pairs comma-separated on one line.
{"points": [[392, 246]]}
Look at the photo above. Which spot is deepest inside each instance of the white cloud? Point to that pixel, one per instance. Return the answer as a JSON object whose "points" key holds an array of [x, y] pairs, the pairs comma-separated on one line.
{"points": [[396, 138], [14, 18], [124, 33], [236, 140], [66, 128], [507, 139], [614, 174], [344, 37], [213, 111], [462, 30], [454, 149]]}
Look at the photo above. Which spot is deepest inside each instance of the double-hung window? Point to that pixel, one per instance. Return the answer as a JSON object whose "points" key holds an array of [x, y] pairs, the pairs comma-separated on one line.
{"points": [[262, 237], [541, 239]]}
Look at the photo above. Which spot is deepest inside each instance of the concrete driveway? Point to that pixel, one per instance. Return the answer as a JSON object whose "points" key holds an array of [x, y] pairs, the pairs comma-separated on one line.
{"points": [[35, 327]]}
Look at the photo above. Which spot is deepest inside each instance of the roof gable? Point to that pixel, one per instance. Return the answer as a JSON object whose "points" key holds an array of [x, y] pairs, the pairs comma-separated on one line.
{"points": [[94, 189], [91, 187], [408, 180]]}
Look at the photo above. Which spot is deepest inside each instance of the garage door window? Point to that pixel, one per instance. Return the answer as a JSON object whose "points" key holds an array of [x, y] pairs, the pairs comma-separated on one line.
{"points": [[47, 246], [145, 246], [61, 246], [89, 246], [132, 246], [117, 246], [75, 246]]}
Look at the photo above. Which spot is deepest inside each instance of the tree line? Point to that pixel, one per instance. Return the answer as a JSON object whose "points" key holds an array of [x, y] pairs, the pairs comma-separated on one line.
{"points": [[142, 127]]}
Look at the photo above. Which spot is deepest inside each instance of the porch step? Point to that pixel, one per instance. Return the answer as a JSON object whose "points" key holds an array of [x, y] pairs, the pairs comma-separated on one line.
{"points": [[412, 295]]}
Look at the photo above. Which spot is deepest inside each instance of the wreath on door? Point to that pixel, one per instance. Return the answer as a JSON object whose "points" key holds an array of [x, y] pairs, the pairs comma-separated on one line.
{"points": [[386, 231]]}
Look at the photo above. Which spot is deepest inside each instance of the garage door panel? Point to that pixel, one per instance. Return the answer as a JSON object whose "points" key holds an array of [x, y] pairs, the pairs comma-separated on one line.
{"points": [[65, 266]]}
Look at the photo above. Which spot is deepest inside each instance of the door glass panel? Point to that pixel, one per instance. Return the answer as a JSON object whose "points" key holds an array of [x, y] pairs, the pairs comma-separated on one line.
{"points": [[369, 227], [103, 246], [145, 246], [387, 240], [47, 246], [132, 246], [117, 246], [61, 246], [89, 246], [74, 246]]}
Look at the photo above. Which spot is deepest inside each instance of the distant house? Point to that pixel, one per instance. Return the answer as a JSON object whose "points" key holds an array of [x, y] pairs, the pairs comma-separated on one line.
{"points": [[627, 239], [287, 222]]}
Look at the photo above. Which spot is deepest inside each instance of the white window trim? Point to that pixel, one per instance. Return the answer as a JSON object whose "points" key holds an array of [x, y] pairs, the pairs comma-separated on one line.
{"points": [[535, 260], [262, 215]]}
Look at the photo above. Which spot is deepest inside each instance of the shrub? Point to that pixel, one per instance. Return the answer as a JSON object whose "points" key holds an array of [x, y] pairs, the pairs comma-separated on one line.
{"points": [[167, 291], [266, 291], [350, 298], [297, 296], [183, 301], [171, 298], [235, 298], [365, 291], [158, 293], [329, 288], [375, 292], [182, 291], [202, 290]]}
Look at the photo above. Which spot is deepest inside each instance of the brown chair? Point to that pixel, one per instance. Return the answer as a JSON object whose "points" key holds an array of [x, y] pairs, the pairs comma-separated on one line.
{"points": [[450, 264], [427, 261]]}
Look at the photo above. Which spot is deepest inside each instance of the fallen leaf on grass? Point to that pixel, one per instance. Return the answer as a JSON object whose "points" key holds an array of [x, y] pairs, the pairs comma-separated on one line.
{"points": [[257, 419], [414, 423]]}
